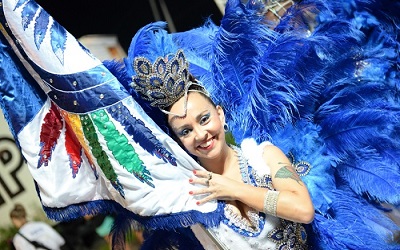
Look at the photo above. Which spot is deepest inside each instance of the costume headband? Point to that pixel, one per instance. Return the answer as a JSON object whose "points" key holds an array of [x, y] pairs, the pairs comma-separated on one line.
{"points": [[164, 82]]}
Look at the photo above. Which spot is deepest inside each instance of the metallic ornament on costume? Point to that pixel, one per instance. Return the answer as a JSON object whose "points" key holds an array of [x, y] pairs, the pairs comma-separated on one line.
{"points": [[302, 168], [164, 82], [253, 225], [277, 7], [290, 235]]}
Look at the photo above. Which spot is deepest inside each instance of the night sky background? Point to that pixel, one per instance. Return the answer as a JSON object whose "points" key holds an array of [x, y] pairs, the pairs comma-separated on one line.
{"points": [[125, 17]]}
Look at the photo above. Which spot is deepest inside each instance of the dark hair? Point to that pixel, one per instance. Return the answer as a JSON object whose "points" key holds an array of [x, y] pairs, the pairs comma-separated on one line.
{"points": [[200, 89], [18, 212]]}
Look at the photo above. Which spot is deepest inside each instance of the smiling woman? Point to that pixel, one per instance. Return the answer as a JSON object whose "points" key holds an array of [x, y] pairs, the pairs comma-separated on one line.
{"points": [[200, 129], [255, 212], [312, 105]]}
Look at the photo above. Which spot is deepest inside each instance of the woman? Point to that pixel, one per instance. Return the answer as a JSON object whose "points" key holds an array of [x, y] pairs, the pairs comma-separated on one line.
{"points": [[258, 188]]}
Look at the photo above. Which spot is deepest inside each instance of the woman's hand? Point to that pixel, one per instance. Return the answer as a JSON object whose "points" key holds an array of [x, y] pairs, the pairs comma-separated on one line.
{"points": [[218, 187]]}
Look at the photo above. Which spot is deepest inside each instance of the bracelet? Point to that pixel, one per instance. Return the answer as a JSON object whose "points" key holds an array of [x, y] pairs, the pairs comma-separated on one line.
{"points": [[270, 202]]}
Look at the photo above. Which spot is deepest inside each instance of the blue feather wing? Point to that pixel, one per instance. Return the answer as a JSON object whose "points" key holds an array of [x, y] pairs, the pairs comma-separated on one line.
{"points": [[326, 91]]}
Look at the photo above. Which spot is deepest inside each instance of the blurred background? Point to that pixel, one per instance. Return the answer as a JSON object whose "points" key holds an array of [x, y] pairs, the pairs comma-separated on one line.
{"points": [[124, 17]]}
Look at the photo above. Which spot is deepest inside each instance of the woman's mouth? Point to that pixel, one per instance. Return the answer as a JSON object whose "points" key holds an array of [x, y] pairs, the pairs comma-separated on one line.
{"points": [[207, 144]]}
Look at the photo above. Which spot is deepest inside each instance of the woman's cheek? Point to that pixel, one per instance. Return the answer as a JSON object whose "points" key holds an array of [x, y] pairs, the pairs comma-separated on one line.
{"points": [[187, 145]]}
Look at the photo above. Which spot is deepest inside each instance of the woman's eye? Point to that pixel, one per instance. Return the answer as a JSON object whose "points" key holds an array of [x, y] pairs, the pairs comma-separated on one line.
{"points": [[184, 132], [204, 118]]}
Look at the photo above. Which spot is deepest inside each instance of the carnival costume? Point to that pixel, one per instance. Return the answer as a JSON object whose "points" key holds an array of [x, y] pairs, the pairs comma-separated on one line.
{"points": [[323, 85], [261, 231]]}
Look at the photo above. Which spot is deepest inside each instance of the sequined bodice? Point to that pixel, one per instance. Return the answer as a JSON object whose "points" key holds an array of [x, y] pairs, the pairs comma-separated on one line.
{"points": [[287, 235]]}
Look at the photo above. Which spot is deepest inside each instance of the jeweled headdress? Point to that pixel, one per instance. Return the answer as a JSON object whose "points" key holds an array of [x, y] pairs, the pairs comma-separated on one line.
{"points": [[164, 82]]}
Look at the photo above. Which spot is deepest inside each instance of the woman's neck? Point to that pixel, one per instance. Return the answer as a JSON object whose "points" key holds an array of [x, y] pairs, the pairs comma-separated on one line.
{"points": [[221, 164], [19, 223]]}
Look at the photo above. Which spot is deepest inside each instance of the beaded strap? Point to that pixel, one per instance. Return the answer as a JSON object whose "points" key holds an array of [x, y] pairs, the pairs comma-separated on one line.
{"points": [[270, 202]]}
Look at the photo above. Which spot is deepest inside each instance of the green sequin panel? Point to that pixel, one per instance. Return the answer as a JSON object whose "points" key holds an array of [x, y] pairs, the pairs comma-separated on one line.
{"points": [[101, 156], [118, 144]]}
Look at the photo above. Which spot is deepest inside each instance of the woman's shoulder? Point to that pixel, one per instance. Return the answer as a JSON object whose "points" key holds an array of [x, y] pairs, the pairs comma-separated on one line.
{"points": [[251, 147], [251, 144], [254, 153]]}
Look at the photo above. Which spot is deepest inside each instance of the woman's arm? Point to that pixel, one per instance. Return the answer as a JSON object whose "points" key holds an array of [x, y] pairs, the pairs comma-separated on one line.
{"points": [[293, 202]]}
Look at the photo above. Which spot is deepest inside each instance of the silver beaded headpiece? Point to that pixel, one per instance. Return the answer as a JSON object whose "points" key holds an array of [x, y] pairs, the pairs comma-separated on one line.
{"points": [[164, 82]]}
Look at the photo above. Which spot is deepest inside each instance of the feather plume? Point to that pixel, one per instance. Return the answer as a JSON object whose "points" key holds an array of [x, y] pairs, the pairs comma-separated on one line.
{"points": [[351, 223], [323, 90], [323, 86], [197, 45], [360, 126], [151, 42]]}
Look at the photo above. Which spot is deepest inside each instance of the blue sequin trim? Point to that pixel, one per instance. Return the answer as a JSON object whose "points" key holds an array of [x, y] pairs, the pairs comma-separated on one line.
{"points": [[236, 222]]}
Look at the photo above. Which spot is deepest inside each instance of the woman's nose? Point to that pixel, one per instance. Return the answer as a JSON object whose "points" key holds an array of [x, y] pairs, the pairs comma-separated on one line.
{"points": [[201, 134]]}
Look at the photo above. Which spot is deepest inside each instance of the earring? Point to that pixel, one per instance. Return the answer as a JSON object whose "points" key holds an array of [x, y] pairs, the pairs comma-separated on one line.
{"points": [[226, 127]]}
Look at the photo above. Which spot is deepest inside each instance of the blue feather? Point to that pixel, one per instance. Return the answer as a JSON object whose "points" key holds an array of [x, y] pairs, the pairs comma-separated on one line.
{"points": [[359, 122], [150, 41], [351, 223], [302, 142], [197, 45]]}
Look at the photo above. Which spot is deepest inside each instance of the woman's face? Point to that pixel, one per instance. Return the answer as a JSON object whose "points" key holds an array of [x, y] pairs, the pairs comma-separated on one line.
{"points": [[201, 131]]}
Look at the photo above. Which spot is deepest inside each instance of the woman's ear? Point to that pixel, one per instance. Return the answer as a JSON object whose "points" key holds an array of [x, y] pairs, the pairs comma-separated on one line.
{"points": [[221, 113]]}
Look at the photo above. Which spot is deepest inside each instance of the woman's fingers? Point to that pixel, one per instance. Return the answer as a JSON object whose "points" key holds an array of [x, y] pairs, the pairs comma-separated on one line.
{"points": [[204, 177], [216, 187], [204, 191], [204, 200], [203, 174]]}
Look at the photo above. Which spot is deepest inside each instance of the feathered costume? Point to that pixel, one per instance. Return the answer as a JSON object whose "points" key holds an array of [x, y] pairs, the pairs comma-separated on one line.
{"points": [[323, 85]]}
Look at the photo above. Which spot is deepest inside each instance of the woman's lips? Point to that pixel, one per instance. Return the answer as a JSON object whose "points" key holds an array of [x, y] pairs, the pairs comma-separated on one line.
{"points": [[207, 145]]}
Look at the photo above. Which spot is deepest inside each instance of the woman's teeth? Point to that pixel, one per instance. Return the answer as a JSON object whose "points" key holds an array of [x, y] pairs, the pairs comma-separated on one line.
{"points": [[206, 144]]}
